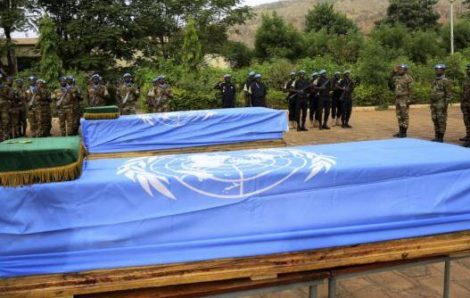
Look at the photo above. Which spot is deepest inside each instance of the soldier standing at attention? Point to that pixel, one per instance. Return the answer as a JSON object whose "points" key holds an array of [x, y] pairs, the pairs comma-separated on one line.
{"points": [[63, 99], [5, 102], [301, 88], [32, 103], [336, 103], [258, 92], [324, 102], [228, 92], [246, 89], [313, 101], [465, 106], [97, 92], [44, 109], [401, 85], [347, 88], [291, 98], [77, 98], [20, 97], [127, 95], [152, 96], [441, 94]]}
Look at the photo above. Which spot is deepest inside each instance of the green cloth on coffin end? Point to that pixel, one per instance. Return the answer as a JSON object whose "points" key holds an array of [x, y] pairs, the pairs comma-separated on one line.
{"points": [[40, 160], [105, 112]]}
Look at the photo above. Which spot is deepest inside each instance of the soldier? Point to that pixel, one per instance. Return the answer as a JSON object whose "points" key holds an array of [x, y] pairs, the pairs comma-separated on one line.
{"points": [[45, 113], [289, 89], [401, 84], [97, 92], [152, 96], [465, 106], [64, 100], [228, 91], [162, 95], [313, 101], [441, 95], [6, 94], [336, 103], [347, 88], [301, 88], [32, 102], [127, 95], [246, 89], [77, 98], [17, 114], [258, 92], [324, 102]]}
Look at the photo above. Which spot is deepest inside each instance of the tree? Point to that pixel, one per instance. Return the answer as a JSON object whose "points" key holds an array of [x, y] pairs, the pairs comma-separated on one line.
{"points": [[51, 64], [461, 34], [237, 53], [275, 38], [192, 50], [324, 17], [414, 14], [423, 46], [12, 18]]}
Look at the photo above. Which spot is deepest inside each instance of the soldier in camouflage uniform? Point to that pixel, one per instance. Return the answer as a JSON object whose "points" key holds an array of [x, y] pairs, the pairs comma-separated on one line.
{"points": [[63, 99], [45, 117], [97, 92], [401, 86], [6, 95], [20, 108], [465, 106], [159, 95], [441, 95], [32, 103], [127, 95], [77, 98]]}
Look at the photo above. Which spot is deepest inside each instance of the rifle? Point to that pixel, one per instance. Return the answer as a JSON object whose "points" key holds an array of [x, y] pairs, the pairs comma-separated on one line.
{"points": [[33, 98], [59, 103]]}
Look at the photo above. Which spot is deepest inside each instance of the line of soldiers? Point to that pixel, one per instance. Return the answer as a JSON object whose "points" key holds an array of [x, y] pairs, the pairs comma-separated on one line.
{"points": [[321, 96], [441, 95]]}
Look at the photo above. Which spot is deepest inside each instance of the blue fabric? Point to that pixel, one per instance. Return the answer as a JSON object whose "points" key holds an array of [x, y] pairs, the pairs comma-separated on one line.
{"points": [[182, 208], [149, 132]]}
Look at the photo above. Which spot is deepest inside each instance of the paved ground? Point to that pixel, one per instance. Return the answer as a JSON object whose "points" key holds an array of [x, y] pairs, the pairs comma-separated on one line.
{"points": [[423, 281]]}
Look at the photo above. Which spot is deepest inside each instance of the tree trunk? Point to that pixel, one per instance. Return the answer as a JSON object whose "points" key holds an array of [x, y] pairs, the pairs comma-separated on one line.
{"points": [[11, 57]]}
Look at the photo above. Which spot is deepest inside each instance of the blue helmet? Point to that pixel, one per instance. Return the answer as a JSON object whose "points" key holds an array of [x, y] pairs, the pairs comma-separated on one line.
{"points": [[321, 72], [440, 66], [127, 75], [252, 73], [257, 76], [315, 74], [404, 66], [301, 72]]}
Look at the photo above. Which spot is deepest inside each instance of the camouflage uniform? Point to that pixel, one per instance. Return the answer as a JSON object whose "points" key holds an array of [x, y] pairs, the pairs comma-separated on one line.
{"points": [[76, 108], [127, 96], [18, 113], [402, 89], [45, 113], [441, 95], [6, 95], [33, 112], [97, 94], [465, 106], [64, 100]]}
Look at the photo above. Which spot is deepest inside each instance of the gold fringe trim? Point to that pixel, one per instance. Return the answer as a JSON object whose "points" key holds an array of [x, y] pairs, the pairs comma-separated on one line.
{"points": [[46, 175], [100, 116]]}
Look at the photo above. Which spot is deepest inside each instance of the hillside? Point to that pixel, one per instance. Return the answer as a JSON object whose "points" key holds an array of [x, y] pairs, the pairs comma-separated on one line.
{"points": [[363, 12]]}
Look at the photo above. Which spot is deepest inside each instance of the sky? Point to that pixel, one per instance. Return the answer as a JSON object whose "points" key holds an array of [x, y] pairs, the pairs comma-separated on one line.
{"points": [[246, 2]]}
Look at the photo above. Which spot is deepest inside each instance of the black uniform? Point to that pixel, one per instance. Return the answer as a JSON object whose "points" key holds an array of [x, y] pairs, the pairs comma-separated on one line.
{"points": [[324, 101], [248, 96], [347, 86], [291, 99], [258, 94], [313, 102], [336, 103], [301, 87], [228, 91]]}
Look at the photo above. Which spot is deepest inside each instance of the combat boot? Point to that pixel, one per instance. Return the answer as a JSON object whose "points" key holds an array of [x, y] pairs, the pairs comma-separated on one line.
{"points": [[440, 138], [465, 139], [404, 132], [467, 144], [397, 135], [436, 137]]}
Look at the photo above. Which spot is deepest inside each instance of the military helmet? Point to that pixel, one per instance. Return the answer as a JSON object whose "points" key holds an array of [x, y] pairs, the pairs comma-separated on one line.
{"points": [[127, 75], [301, 72], [321, 72], [252, 73], [440, 66], [404, 66], [314, 74], [62, 78], [292, 73], [156, 79], [347, 71], [32, 78], [96, 76], [257, 76], [19, 80], [41, 81], [337, 73], [227, 75]]}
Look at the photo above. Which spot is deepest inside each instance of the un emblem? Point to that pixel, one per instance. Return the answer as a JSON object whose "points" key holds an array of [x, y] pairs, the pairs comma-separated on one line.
{"points": [[176, 119], [224, 175]]}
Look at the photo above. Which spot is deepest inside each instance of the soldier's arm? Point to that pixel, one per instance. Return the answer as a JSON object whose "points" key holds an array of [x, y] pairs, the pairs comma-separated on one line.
{"points": [[449, 86]]}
